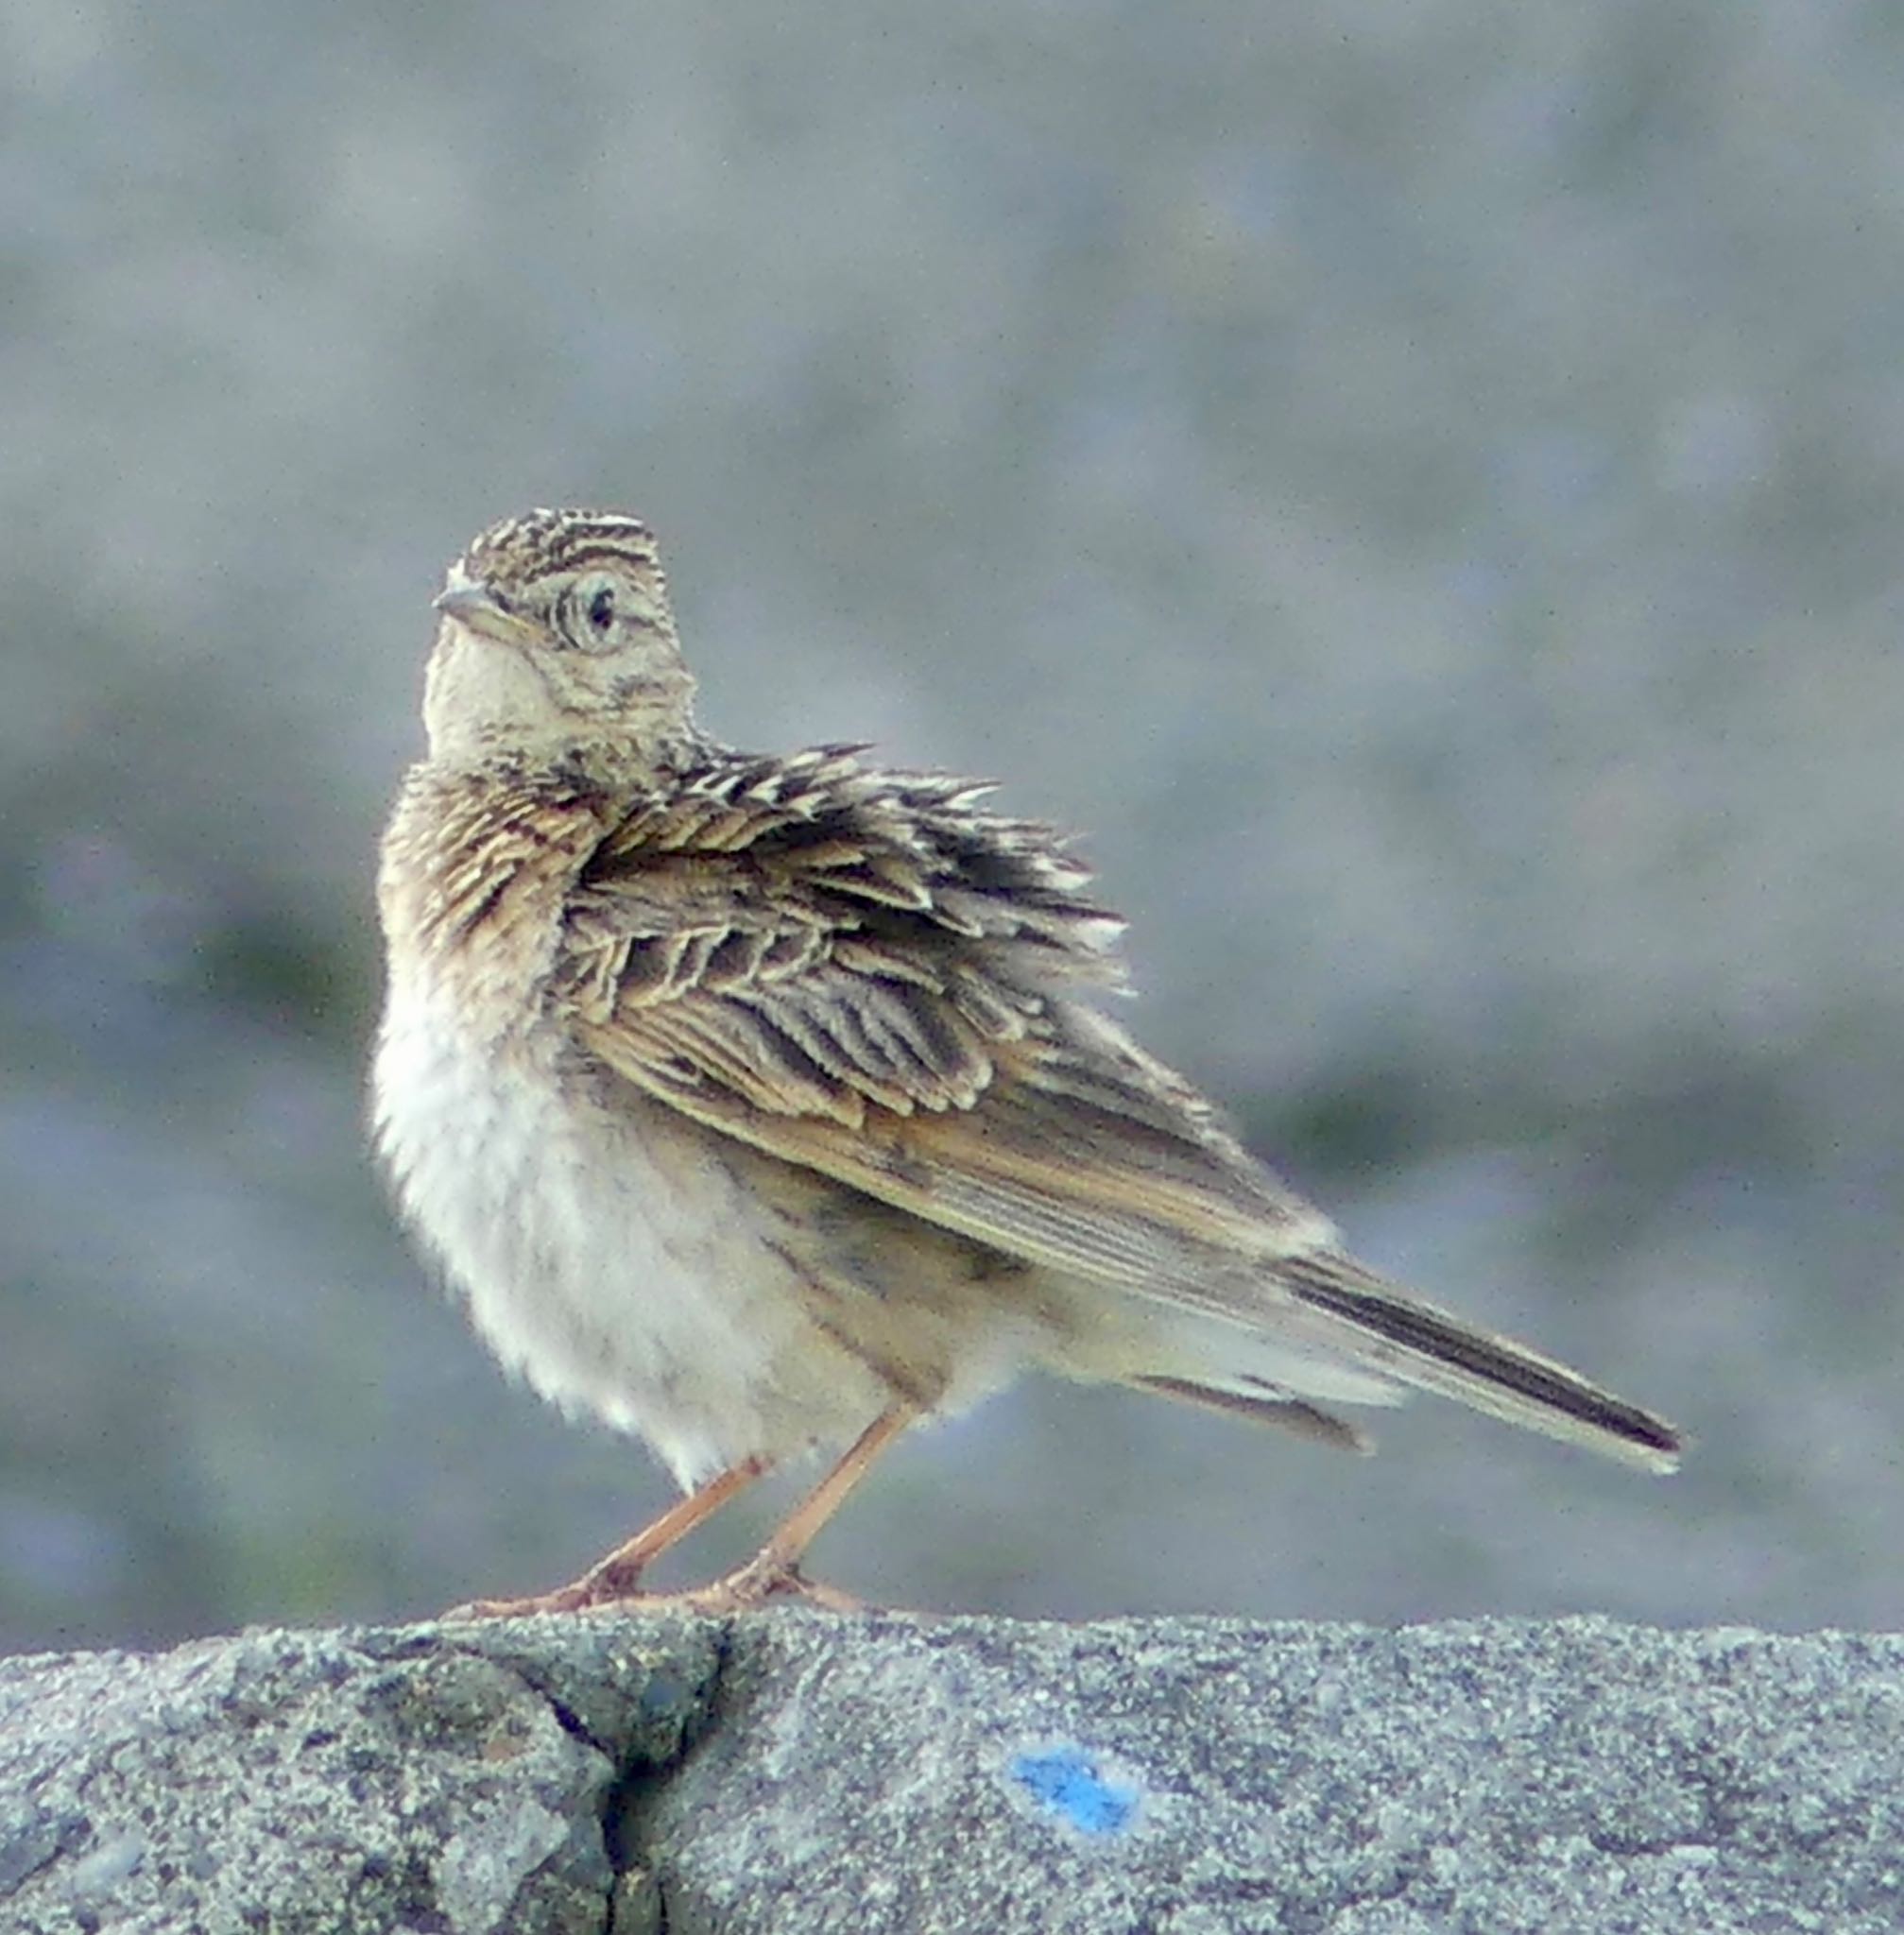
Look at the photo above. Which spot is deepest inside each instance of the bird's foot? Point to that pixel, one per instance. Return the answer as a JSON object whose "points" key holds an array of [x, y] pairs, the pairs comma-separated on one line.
{"points": [[612, 1582], [762, 1581], [565, 1599]]}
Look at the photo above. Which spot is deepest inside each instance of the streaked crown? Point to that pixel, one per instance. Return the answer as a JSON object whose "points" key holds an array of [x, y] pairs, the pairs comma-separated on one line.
{"points": [[516, 551]]}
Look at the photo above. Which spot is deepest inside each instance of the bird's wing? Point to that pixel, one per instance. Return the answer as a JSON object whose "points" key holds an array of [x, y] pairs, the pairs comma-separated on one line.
{"points": [[870, 975]]}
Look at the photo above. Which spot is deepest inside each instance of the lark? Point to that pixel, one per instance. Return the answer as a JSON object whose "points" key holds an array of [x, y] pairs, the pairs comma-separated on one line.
{"points": [[761, 1105]]}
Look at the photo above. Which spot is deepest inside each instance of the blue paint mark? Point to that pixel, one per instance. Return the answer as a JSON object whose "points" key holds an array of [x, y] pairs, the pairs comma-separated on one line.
{"points": [[1066, 1781]]}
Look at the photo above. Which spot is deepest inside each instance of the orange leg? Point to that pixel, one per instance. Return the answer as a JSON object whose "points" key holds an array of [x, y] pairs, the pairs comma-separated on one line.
{"points": [[618, 1576], [774, 1570]]}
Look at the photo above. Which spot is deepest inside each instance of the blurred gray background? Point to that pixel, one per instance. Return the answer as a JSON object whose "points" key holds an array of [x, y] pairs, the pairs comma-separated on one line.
{"points": [[1419, 486]]}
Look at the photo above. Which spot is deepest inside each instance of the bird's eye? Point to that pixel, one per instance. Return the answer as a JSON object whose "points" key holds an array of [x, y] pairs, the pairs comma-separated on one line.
{"points": [[591, 613]]}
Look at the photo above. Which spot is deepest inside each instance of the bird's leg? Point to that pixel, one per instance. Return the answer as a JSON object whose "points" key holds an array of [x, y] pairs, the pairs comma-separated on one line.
{"points": [[774, 1570], [618, 1576]]}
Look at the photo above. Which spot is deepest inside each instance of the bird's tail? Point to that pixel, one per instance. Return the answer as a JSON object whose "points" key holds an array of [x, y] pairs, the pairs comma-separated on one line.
{"points": [[1416, 1343]]}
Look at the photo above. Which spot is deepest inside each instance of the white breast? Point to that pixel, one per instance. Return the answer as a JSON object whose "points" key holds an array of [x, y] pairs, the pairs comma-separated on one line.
{"points": [[614, 1260]]}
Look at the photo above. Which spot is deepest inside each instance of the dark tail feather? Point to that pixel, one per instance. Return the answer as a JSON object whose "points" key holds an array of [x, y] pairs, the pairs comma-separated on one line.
{"points": [[1433, 1349]]}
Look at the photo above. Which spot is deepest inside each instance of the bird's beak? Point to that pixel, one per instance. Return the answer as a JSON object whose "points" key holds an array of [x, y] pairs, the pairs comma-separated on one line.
{"points": [[478, 608]]}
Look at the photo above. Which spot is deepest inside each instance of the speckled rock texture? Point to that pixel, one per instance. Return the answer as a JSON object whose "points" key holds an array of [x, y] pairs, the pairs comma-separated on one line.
{"points": [[450, 1779], [790, 1771]]}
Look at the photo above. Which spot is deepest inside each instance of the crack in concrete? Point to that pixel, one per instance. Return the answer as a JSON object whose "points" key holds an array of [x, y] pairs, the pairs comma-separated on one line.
{"points": [[634, 1902], [619, 1803]]}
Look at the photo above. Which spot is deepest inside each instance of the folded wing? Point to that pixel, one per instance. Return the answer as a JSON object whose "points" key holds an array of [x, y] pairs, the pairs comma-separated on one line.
{"points": [[868, 974]]}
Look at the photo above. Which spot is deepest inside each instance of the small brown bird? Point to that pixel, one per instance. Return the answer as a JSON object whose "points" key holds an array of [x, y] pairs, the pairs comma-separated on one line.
{"points": [[757, 1104]]}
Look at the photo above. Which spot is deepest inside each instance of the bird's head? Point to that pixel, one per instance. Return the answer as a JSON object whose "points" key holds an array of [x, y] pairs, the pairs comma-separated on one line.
{"points": [[556, 636]]}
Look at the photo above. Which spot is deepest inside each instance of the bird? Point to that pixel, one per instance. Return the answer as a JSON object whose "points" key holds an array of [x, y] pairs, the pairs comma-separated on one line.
{"points": [[765, 1105]]}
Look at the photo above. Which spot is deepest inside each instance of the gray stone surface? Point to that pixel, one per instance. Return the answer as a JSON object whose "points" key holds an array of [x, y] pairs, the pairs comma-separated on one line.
{"points": [[792, 1772], [455, 1781]]}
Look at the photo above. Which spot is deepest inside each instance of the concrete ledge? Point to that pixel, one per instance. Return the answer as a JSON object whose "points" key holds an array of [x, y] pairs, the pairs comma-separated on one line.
{"points": [[791, 1771]]}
